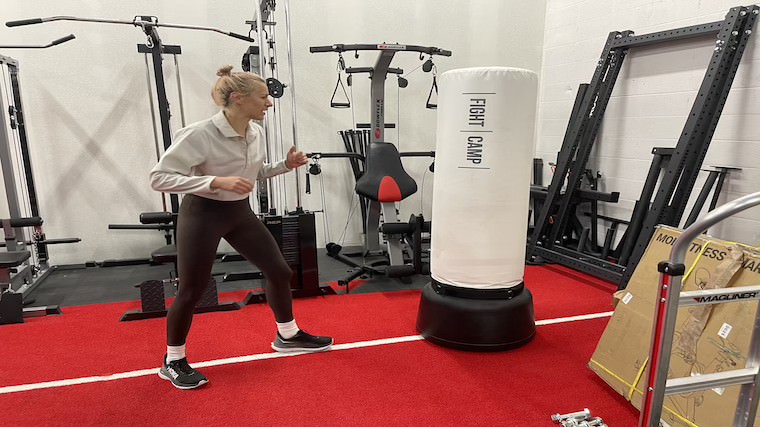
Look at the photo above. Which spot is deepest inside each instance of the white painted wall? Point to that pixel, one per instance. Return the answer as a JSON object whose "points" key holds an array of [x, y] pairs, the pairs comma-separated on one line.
{"points": [[88, 116], [652, 97]]}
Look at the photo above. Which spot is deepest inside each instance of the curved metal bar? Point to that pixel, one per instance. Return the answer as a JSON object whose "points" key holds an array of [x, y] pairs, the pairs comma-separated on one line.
{"points": [[136, 22], [431, 50], [55, 42]]}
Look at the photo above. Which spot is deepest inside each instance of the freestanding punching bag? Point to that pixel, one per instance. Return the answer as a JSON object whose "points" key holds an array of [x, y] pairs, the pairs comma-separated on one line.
{"points": [[477, 299]]}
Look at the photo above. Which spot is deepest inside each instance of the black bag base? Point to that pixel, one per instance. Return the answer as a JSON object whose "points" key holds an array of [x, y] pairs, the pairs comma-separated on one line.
{"points": [[476, 324]]}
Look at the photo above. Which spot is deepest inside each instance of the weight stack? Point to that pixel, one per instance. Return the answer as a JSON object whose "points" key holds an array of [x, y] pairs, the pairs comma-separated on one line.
{"points": [[296, 235]]}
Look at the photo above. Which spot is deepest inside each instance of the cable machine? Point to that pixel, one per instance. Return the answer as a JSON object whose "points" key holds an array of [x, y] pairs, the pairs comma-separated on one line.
{"points": [[152, 291], [383, 180], [25, 263], [155, 48], [294, 230]]}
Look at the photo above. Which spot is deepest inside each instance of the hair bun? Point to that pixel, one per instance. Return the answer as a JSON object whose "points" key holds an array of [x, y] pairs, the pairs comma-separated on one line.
{"points": [[224, 71]]}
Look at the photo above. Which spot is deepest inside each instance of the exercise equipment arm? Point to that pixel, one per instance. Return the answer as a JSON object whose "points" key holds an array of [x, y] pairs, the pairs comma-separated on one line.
{"points": [[34, 221], [417, 154], [316, 155], [55, 42], [430, 50], [136, 22]]}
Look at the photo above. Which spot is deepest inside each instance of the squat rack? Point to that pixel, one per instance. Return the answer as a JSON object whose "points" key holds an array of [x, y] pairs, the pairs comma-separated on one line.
{"points": [[552, 226]]}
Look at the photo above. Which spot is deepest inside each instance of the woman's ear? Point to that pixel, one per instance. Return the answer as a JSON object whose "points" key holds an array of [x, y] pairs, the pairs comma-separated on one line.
{"points": [[234, 97]]}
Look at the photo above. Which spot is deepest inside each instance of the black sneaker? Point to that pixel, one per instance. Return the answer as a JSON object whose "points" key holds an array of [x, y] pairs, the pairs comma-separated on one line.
{"points": [[181, 374], [301, 341]]}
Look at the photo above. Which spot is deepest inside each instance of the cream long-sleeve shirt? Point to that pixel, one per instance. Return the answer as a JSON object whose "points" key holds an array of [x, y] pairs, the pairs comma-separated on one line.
{"points": [[204, 150]]}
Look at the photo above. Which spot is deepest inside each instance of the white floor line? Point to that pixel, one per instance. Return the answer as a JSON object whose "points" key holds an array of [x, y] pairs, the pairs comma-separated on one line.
{"points": [[254, 357], [574, 318]]}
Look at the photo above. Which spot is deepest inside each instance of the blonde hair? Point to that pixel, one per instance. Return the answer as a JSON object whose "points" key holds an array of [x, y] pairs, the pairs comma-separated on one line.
{"points": [[242, 82]]}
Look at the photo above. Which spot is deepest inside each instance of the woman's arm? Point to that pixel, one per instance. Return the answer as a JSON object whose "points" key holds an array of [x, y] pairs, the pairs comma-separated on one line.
{"points": [[172, 174], [269, 170], [293, 160]]}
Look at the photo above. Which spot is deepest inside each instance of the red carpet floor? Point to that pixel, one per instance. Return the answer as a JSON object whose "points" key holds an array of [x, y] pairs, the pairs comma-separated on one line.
{"points": [[414, 383]]}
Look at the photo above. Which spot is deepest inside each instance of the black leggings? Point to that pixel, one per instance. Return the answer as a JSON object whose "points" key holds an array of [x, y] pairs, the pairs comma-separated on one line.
{"points": [[201, 224]]}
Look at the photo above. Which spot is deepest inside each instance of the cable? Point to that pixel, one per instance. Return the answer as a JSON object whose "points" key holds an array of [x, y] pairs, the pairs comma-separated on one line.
{"points": [[398, 117], [348, 220], [422, 193], [279, 144], [353, 115], [415, 69], [398, 107], [325, 225]]}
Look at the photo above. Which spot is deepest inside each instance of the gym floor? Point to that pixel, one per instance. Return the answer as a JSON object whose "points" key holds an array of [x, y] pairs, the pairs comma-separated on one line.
{"points": [[74, 286], [85, 368]]}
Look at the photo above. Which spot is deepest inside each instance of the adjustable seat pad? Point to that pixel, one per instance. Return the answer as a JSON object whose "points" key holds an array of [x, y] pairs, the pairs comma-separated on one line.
{"points": [[164, 254], [385, 179], [13, 258]]}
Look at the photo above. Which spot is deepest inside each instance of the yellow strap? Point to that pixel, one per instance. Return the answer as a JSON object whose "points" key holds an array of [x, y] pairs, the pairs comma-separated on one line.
{"points": [[632, 387], [754, 248], [638, 378], [694, 264]]}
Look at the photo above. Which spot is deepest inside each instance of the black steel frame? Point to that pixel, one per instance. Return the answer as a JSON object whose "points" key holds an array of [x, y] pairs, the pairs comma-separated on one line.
{"points": [[18, 125], [156, 49], [28, 276], [678, 178]]}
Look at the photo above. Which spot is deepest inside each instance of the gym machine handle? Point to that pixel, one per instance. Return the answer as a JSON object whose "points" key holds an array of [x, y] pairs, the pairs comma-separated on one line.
{"points": [[442, 52], [156, 217], [51, 44], [62, 40], [48, 241], [34, 221], [333, 48], [140, 227], [23, 22], [59, 241], [241, 37], [417, 154]]}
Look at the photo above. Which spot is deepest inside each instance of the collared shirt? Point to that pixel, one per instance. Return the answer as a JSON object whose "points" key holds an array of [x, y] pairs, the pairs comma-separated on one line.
{"points": [[204, 150]]}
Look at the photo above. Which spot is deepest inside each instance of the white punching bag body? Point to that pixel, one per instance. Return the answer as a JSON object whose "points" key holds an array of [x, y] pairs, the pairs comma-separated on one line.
{"points": [[483, 161], [476, 299]]}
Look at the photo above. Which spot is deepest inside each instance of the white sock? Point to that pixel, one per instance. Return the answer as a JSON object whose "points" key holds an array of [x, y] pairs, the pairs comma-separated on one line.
{"points": [[287, 329], [175, 352]]}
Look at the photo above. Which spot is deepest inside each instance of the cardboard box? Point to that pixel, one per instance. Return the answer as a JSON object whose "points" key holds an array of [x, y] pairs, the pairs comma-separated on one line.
{"points": [[708, 339]]}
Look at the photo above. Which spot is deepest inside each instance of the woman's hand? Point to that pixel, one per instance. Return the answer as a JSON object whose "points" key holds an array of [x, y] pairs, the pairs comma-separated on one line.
{"points": [[295, 159], [236, 184]]}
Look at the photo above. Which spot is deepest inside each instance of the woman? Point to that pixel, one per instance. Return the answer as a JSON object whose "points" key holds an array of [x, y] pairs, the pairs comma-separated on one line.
{"points": [[215, 163]]}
